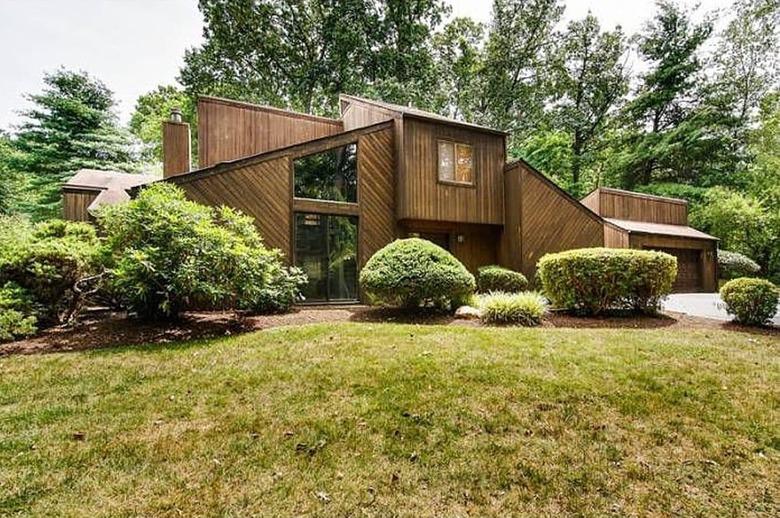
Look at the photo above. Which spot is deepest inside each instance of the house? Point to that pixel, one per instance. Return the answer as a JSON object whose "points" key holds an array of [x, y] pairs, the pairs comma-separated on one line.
{"points": [[331, 192], [88, 189]]}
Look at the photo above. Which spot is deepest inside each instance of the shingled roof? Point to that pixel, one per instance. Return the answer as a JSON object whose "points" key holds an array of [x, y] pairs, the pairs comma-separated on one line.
{"points": [[113, 186]]}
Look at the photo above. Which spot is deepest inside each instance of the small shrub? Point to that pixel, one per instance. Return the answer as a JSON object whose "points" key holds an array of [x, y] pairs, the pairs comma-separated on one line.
{"points": [[732, 265], [46, 260], [526, 308], [168, 254], [17, 313], [496, 278], [593, 280], [751, 301], [413, 272]]}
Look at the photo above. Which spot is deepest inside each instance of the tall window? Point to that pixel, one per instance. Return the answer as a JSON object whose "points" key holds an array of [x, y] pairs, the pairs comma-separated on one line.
{"points": [[456, 162], [330, 175]]}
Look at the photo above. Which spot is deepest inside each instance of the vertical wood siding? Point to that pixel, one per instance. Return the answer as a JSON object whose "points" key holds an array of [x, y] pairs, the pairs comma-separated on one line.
{"points": [[422, 197], [640, 207], [176, 148], [75, 203], [261, 190], [359, 116], [230, 130], [707, 257], [615, 237]]}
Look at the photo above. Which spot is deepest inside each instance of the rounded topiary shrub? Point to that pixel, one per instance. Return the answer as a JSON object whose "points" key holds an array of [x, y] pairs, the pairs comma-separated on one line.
{"points": [[414, 272], [594, 280], [497, 278], [752, 301], [732, 265], [526, 308]]}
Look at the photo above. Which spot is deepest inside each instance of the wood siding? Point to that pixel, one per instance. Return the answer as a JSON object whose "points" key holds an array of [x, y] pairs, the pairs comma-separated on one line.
{"points": [[615, 237], [611, 203], [176, 148], [75, 203], [550, 220], [357, 115], [479, 246], [707, 256], [376, 192], [228, 130], [261, 190], [420, 194]]}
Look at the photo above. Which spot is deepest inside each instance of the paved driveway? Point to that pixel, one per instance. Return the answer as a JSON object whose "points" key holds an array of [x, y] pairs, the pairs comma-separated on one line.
{"points": [[706, 305]]}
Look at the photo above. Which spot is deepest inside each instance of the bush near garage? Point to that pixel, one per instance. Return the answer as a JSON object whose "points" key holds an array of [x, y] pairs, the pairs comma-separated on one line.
{"points": [[413, 272], [733, 265], [594, 280], [752, 301]]}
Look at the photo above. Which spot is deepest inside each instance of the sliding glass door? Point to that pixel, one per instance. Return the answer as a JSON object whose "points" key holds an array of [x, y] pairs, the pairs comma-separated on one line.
{"points": [[326, 250]]}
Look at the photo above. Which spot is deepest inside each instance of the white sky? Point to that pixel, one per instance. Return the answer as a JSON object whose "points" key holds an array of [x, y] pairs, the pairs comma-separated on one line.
{"points": [[135, 45]]}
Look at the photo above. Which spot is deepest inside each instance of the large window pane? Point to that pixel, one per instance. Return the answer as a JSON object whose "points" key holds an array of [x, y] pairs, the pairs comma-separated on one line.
{"points": [[330, 175], [326, 250]]}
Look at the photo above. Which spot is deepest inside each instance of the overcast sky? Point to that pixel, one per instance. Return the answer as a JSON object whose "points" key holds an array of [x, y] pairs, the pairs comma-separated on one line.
{"points": [[135, 45]]}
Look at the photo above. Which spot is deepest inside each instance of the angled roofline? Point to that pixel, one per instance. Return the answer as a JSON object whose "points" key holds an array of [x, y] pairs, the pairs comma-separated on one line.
{"points": [[415, 113], [228, 165], [269, 109]]}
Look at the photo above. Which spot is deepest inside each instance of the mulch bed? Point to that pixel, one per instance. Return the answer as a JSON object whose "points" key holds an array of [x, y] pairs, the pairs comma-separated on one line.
{"points": [[110, 329]]}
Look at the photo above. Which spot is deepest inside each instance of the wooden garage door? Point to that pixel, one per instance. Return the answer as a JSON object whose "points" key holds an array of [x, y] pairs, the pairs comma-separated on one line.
{"points": [[688, 269]]}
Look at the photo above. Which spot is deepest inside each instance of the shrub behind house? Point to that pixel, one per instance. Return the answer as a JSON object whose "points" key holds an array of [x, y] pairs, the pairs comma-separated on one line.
{"points": [[593, 280], [732, 265], [414, 272], [169, 254], [751, 301]]}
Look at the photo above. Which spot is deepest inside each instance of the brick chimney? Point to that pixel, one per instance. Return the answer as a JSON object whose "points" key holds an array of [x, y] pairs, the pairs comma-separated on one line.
{"points": [[176, 145]]}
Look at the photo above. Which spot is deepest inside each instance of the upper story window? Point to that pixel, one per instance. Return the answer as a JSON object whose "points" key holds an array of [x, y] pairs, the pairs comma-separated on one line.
{"points": [[456, 162], [330, 175]]}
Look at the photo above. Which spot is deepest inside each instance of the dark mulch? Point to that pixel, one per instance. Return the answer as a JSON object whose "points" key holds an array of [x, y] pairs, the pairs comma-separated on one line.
{"points": [[110, 329]]}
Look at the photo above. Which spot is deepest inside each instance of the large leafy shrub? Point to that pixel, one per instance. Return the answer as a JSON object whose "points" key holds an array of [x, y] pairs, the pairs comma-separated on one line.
{"points": [[45, 261], [169, 254], [594, 280], [495, 278], [732, 265], [413, 272], [752, 301], [526, 308], [17, 313]]}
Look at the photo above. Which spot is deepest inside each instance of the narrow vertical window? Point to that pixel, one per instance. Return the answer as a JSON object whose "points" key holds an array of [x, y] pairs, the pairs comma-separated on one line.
{"points": [[464, 167], [446, 161]]}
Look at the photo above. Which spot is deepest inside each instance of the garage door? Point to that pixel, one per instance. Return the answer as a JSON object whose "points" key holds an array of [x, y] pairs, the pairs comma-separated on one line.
{"points": [[688, 269]]}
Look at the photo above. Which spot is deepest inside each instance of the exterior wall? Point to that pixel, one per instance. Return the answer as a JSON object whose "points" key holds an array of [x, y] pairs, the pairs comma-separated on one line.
{"points": [[640, 207], [549, 220], [228, 130], [708, 257], [176, 148], [358, 115], [420, 194], [615, 237], [75, 203], [478, 245]]}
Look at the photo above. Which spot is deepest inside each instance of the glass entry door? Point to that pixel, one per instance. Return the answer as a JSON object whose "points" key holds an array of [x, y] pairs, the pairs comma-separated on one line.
{"points": [[326, 250]]}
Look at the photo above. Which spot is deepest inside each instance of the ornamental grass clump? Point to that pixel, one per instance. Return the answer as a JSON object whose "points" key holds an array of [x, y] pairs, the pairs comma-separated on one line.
{"points": [[752, 301], [412, 273], [496, 278], [525, 308], [594, 280]]}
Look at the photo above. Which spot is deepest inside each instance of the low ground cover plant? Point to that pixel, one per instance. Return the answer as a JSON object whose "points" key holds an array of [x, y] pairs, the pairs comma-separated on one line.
{"points": [[40, 265], [413, 272], [732, 265], [496, 278], [594, 280], [752, 301], [166, 254], [525, 308]]}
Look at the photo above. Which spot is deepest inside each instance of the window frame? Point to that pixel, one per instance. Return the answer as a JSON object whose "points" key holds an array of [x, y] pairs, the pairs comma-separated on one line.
{"points": [[455, 144]]}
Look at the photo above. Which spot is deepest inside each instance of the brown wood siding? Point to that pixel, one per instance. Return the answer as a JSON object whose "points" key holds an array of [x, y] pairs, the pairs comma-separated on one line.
{"points": [[176, 148], [479, 246], [261, 190], [591, 201], [639, 207], [75, 203], [422, 197], [229, 130], [376, 192], [707, 257], [552, 221], [511, 252], [360, 115], [615, 237]]}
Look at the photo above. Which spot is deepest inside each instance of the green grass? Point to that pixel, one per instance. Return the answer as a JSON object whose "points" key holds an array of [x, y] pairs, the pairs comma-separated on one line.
{"points": [[394, 420]]}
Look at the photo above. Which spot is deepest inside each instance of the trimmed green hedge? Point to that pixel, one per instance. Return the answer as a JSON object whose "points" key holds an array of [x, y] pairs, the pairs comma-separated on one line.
{"points": [[732, 265], [594, 280], [414, 272], [497, 278], [752, 301], [526, 308]]}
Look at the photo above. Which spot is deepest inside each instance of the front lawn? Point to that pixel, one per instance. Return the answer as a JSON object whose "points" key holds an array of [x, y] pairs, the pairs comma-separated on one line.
{"points": [[398, 420]]}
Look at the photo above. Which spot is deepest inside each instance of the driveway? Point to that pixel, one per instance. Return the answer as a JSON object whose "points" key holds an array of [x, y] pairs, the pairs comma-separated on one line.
{"points": [[705, 305]]}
